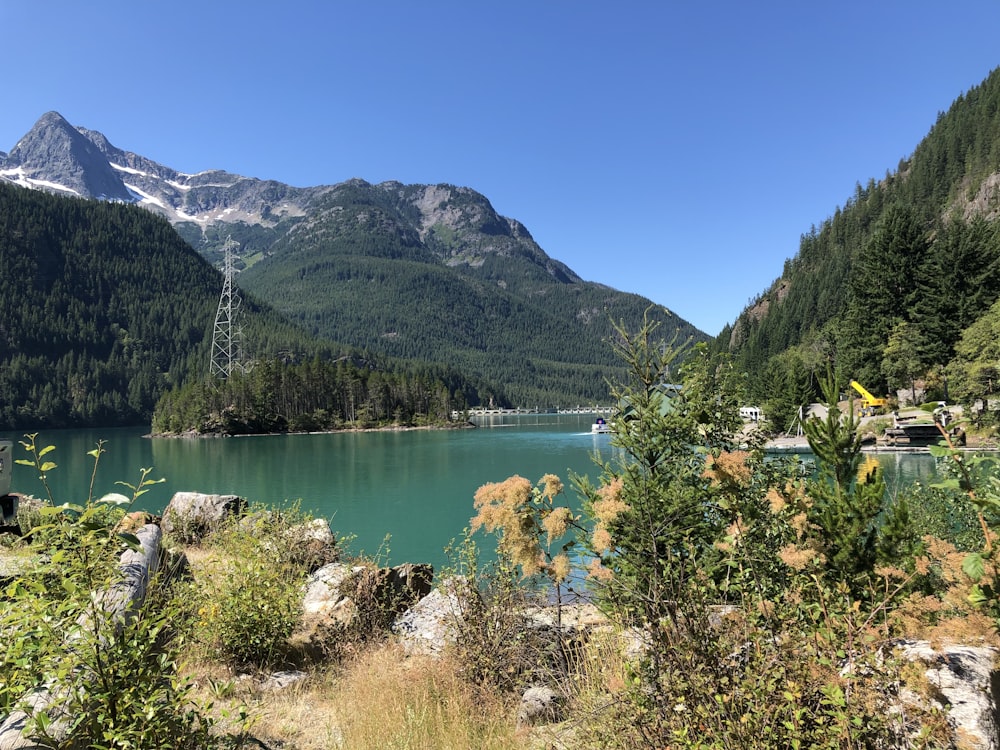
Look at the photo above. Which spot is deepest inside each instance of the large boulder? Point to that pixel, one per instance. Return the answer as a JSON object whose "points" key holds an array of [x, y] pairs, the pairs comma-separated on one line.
{"points": [[963, 683], [190, 516], [431, 625], [354, 602]]}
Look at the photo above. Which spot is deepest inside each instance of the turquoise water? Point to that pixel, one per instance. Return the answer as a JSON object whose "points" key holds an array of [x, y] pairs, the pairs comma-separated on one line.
{"points": [[416, 487]]}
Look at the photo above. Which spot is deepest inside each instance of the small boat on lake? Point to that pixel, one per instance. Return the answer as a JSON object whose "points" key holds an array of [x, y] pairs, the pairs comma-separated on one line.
{"points": [[600, 426]]}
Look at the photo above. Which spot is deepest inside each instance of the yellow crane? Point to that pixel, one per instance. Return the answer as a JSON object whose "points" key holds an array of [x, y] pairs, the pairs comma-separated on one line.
{"points": [[869, 403]]}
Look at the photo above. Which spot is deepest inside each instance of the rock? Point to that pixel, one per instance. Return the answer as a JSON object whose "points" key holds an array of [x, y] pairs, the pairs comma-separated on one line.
{"points": [[326, 613], [963, 683], [575, 618], [313, 544], [429, 626], [282, 680], [540, 705], [324, 589], [190, 516], [358, 600]]}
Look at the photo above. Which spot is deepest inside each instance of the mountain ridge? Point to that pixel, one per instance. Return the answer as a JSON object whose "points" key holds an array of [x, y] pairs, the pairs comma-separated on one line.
{"points": [[57, 156], [417, 272]]}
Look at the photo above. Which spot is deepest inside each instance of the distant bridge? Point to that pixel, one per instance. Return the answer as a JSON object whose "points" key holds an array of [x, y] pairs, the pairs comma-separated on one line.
{"points": [[484, 412]]}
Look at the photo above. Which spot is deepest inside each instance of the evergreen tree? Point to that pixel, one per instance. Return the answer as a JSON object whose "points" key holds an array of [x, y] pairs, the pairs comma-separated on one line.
{"points": [[974, 373], [854, 528], [658, 503], [957, 282], [881, 292], [901, 362]]}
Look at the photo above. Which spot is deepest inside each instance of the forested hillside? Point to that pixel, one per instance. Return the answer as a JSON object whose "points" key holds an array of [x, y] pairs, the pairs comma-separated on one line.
{"points": [[452, 284], [885, 288], [424, 275], [105, 310], [101, 305]]}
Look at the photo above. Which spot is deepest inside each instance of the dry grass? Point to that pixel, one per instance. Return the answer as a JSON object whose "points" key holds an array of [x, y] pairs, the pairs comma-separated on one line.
{"points": [[380, 699], [385, 700]]}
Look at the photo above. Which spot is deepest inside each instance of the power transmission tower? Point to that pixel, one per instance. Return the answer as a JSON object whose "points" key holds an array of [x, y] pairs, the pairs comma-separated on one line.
{"points": [[227, 338]]}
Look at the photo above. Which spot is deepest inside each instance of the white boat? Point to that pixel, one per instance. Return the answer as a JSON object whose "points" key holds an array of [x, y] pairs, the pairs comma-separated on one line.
{"points": [[600, 426]]}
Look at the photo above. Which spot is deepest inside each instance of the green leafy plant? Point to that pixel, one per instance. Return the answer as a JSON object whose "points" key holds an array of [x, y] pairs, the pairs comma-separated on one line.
{"points": [[248, 598], [88, 674], [977, 476]]}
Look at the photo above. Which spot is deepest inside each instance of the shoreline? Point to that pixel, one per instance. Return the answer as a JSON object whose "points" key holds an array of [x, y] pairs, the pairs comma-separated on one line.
{"points": [[191, 434], [799, 444]]}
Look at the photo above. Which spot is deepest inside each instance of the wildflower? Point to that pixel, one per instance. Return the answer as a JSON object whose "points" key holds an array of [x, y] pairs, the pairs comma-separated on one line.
{"points": [[729, 470], [609, 503], [551, 486], [556, 523], [598, 571], [560, 567], [776, 500], [600, 538], [795, 557]]}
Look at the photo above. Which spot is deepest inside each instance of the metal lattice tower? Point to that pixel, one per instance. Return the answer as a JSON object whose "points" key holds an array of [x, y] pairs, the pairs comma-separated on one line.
{"points": [[227, 338]]}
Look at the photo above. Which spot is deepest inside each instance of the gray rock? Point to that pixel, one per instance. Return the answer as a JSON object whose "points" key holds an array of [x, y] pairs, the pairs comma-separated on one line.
{"points": [[282, 680], [324, 588], [430, 625], [965, 685], [540, 705], [190, 516]]}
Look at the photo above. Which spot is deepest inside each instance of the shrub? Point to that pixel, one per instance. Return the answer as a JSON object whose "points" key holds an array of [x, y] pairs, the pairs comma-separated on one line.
{"points": [[494, 645], [84, 675], [248, 594], [754, 627]]}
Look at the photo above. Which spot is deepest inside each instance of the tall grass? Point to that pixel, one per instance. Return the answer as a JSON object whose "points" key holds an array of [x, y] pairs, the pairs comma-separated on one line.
{"points": [[377, 700]]}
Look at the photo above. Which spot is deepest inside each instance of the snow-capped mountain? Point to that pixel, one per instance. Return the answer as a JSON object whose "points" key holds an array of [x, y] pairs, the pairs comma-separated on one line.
{"points": [[409, 272], [59, 157]]}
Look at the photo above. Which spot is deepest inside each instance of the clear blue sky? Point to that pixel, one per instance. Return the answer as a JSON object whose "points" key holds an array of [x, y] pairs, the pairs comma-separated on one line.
{"points": [[673, 149]]}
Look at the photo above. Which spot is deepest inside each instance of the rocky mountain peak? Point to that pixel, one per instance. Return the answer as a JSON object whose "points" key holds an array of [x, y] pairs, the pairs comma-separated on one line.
{"points": [[456, 225], [55, 155]]}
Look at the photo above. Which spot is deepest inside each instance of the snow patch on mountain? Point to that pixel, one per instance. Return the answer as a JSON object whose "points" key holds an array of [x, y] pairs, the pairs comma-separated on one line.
{"points": [[19, 177]]}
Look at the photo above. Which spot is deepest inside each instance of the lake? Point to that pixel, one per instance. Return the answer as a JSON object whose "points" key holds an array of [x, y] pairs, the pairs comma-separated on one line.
{"points": [[414, 487]]}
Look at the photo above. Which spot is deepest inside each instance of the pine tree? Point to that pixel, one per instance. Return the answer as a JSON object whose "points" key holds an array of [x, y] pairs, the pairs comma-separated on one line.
{"points": [[881, 292], [901, 362], [854, 528]]}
